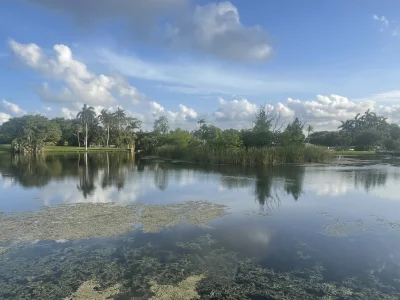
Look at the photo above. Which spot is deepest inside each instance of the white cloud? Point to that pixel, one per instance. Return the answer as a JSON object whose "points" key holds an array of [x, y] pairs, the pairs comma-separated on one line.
{"points": [[382, 20], [4, 117], [67, 113], [214, 28], [13, 108], [197, 77], [80, 85], [387, 26], [185, 117]]}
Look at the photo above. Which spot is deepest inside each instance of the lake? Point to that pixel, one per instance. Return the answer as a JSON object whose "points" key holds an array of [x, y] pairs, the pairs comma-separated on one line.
{"points": [[113, 226]]}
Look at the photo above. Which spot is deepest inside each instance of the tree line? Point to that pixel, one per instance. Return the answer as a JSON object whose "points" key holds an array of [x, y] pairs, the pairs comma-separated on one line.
{"points": [[33, 132], [364, 132]]}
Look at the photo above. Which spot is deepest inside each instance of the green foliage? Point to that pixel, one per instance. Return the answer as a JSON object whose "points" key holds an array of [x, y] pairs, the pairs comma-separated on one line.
{"points": [[293, 134], [394, 131], [254, 156], [263, 121], [161, 125]]}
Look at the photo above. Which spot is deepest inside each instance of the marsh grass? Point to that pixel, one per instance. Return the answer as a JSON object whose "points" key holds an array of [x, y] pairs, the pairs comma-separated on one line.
{"points": [[249, 157]]}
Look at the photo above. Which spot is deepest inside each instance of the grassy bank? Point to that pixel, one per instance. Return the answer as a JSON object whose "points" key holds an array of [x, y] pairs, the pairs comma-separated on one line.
{"points": [[79, 149], [356, 153], [4, 148], [250, 157]]}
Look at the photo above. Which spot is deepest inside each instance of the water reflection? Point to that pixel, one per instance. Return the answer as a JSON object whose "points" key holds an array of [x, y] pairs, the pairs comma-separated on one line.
{"points": [[118, 177]]}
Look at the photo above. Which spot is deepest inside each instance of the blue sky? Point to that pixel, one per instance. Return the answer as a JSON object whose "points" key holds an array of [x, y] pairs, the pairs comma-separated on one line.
{"points": [[322, 61]]}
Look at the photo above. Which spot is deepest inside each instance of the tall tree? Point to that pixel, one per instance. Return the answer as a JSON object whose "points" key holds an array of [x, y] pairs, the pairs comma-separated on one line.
{"points": [[310, 129], [161, 125], [262, 122], [106, 119], [86, 116], [78, 130], [119, 116]]}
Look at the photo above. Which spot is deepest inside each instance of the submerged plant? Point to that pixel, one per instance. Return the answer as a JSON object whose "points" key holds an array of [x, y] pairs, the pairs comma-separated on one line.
{"points": [[185, 290], [89, 290], [197, 243], [81, 221], [344, 228]]}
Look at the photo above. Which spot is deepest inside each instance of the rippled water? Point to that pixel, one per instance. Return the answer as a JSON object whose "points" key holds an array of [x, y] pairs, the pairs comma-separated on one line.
{"points": [[293, 232]]}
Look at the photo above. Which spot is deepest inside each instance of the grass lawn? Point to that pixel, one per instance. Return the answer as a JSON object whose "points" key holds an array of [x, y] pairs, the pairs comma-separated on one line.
{"points": [[353, 152], [79, 149], [4, 148]]}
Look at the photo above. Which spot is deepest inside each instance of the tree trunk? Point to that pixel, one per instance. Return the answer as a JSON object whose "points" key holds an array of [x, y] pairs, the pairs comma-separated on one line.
{"points": [[86, 137], [108, 134], [79, 141]]}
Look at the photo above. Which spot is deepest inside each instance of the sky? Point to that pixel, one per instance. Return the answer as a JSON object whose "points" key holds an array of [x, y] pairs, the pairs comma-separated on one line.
{"points": [[320, 61]]}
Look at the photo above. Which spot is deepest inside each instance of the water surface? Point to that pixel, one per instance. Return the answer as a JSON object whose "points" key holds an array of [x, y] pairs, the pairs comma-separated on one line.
{"points": [[290, 232]]}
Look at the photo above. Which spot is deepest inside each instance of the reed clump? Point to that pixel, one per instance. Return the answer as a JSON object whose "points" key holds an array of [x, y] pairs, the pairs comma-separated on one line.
{"points": [[255, 156]]}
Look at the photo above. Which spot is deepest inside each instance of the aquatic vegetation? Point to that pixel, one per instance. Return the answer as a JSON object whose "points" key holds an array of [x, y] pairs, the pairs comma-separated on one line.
{"points": [[2, 250], [386, 223], [342, 228], [126, 268], [81, 221], [154, 218], [89, 291], [185, 290], [197, 243], [68, 222], [301, 255], [252, 156]]}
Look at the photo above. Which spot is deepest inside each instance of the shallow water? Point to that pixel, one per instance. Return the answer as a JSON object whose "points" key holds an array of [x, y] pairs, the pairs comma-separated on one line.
{"points": [[293, 232]]}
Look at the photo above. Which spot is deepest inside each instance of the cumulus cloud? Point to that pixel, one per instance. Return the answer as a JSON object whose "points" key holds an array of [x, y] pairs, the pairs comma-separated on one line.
{"points": [[13, 108], [185, 117], [216, 28], [213, 28], [326, 112], [79, 84], [4, 117]]}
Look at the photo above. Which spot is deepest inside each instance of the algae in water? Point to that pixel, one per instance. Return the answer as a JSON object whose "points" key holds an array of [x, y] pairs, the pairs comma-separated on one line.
{"points": [[185, 290], [89, 290], [81, 221]]}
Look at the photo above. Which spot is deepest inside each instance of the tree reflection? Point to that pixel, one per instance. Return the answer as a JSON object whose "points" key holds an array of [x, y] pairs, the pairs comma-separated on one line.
{"points": [[161, 176], [86, 178], [370, 179]]}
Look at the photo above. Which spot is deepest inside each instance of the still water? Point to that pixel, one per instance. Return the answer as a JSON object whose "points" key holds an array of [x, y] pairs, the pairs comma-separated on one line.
{"points": [[184, 231]]}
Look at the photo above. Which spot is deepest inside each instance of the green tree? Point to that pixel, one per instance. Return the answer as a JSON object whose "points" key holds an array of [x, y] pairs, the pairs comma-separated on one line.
{"points": [[394, 131], [106, 118], [86, 116], [78, 130], [310, 129], [262, 122], [119, 117], [161, 125], [293, 134]]}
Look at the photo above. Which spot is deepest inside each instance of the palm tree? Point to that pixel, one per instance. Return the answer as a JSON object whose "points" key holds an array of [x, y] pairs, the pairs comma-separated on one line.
{"points": [[106, 118], [86, 116], [310, 129], [119, 116], [78, 128]]}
